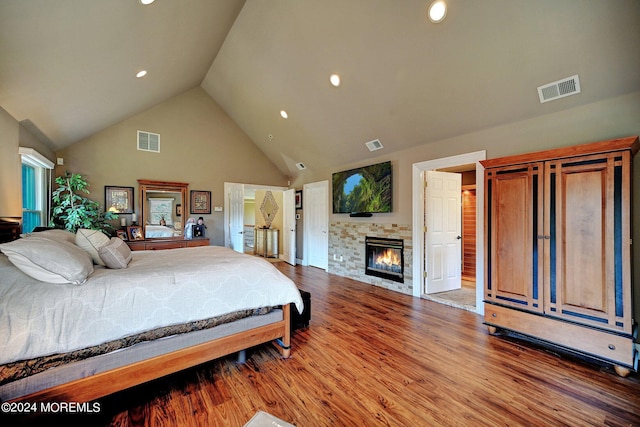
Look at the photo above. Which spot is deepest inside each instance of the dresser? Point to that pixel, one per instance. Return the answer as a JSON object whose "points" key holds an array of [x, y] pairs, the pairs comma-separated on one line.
{"points": [[266, 242], [558, 249], [10, 229], [160, 244]]}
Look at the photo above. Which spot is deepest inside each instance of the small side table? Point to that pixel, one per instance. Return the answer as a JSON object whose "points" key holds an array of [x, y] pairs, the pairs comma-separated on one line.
{"points": [[267, 242]]}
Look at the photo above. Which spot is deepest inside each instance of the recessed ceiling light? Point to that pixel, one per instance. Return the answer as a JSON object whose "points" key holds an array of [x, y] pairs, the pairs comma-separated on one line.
{"points": [[335, 80], [141, 73], [146, 2], [437, 11], [284, 114]]}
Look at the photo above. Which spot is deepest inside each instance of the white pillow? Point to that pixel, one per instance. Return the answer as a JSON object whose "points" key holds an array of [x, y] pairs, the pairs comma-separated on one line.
{"points": [[49, 261], [91, 241], [116, 254]]}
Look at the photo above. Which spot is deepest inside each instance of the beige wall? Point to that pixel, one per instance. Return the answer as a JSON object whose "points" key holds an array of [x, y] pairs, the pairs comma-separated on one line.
{"points": [[613, 118], [27, 139], [10, 174], [12, 136], [199, 144], [249, 212]]}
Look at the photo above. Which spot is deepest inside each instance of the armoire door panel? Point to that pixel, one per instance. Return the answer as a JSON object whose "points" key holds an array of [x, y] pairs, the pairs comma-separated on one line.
{"points": [[512, 235], [581, 223], [584, 254], [514, 269]]}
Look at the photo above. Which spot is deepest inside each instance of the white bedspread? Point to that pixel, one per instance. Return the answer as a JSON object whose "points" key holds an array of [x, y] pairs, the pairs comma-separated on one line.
{"points": [[159, 288]]}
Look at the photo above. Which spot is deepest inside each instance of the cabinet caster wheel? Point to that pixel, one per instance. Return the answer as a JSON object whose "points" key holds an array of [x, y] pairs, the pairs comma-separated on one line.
{"points": [[492, 330], [622, 371]]}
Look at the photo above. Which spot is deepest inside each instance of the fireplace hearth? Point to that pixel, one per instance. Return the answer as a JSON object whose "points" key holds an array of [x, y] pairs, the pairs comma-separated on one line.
{"points": [[385, 258]]}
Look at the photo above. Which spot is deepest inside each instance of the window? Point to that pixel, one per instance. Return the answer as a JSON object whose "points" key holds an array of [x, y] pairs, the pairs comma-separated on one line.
{"points": [[36, 173]]}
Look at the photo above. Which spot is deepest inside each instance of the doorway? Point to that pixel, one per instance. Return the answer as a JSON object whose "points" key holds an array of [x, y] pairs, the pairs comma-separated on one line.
{"points": [[463, 294], [469, 162], [240, 212]]}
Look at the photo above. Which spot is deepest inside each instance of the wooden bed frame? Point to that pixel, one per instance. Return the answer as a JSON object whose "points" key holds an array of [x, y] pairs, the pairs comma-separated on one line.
{"points": [[108, 382]]}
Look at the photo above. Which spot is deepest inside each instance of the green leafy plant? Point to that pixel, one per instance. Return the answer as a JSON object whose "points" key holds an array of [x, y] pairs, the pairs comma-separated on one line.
{"points": [[71, 210]]}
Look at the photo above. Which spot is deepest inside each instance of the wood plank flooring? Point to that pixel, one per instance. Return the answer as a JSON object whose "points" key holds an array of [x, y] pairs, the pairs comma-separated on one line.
{"points": [[373, 357]]}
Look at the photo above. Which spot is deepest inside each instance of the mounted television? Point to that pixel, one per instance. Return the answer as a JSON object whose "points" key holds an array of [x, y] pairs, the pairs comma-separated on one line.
{"points": [[364, 190]]}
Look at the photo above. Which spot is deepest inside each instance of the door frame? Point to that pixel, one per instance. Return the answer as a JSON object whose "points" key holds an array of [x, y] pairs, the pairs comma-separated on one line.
{"points": [[246, 187], [418, 176]]}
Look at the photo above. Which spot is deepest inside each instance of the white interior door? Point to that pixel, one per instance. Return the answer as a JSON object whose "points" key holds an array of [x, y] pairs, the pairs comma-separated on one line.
{"points": [[236, 216], [443, 241], [316, 224], [289, 226]]}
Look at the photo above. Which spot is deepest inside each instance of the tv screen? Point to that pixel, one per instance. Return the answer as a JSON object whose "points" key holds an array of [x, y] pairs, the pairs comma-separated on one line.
{"points": [[363, 190]]}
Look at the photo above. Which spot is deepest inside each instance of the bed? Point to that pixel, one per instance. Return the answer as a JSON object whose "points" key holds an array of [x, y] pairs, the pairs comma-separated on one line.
{"points": [[151, 231], [80, 330]]}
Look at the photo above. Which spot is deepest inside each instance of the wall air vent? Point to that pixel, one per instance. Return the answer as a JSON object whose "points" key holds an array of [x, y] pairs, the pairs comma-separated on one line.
{"points": [[374, 145], [301, 166], [559, 89], [148, 141]]}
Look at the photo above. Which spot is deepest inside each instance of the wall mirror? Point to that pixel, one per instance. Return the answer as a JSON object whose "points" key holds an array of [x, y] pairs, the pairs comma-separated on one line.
{"points": [[162, 205]]}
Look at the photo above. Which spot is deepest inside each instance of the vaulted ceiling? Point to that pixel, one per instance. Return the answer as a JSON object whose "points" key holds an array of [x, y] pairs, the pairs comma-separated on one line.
{"points": [[67, 67]]}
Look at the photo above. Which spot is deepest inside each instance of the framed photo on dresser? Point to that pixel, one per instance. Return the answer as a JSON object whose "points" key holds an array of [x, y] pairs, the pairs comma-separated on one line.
{"points": [[134, 232]]}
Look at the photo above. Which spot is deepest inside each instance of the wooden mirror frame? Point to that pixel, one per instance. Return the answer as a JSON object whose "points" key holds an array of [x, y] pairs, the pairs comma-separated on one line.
{"points": [[145, 185]]}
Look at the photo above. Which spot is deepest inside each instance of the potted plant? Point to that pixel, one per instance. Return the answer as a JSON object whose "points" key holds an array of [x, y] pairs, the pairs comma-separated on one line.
{"points": [[71, 210]]}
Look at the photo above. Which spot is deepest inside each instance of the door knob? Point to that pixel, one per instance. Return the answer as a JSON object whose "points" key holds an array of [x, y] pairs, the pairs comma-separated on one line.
{"points": [[458, 237]]}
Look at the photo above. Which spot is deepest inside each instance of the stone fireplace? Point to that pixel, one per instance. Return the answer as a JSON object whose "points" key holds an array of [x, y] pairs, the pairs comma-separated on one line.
{"points": [[384, 258], [347, 255]]}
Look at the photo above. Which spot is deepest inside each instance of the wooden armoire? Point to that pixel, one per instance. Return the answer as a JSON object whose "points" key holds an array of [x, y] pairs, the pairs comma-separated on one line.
{"points": [[558, 249]]}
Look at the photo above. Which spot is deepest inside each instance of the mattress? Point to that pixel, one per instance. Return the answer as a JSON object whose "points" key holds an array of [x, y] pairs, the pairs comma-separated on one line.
{"points": [[157, 289]]}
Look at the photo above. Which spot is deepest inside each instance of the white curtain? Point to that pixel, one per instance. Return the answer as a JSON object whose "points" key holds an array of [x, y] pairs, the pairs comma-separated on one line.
{"points": [[160, 208]]}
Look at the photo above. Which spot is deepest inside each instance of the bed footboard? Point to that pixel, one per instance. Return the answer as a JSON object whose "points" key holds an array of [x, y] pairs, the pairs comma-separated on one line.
{"points": [[108, 382]]}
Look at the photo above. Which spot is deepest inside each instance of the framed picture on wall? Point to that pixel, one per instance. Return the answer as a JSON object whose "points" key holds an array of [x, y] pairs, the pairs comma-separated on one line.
{"points": [[299, 199], [118, 200], [200, 202], [178, 210]]}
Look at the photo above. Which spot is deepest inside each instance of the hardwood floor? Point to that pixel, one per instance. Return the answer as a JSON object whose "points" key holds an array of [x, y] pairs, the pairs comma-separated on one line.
{"points": [[375, 357]]}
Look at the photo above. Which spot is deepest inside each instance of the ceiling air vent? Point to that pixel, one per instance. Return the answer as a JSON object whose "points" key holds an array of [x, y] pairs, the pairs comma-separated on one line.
{"points": [[301, 166], [559, 89], [374, 145], [148, 141]]}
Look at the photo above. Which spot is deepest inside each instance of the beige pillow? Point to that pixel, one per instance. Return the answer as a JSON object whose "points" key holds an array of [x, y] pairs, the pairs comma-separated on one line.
{"points": [[48, 260], [116, 254], [91, 241], [56, 234]]}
